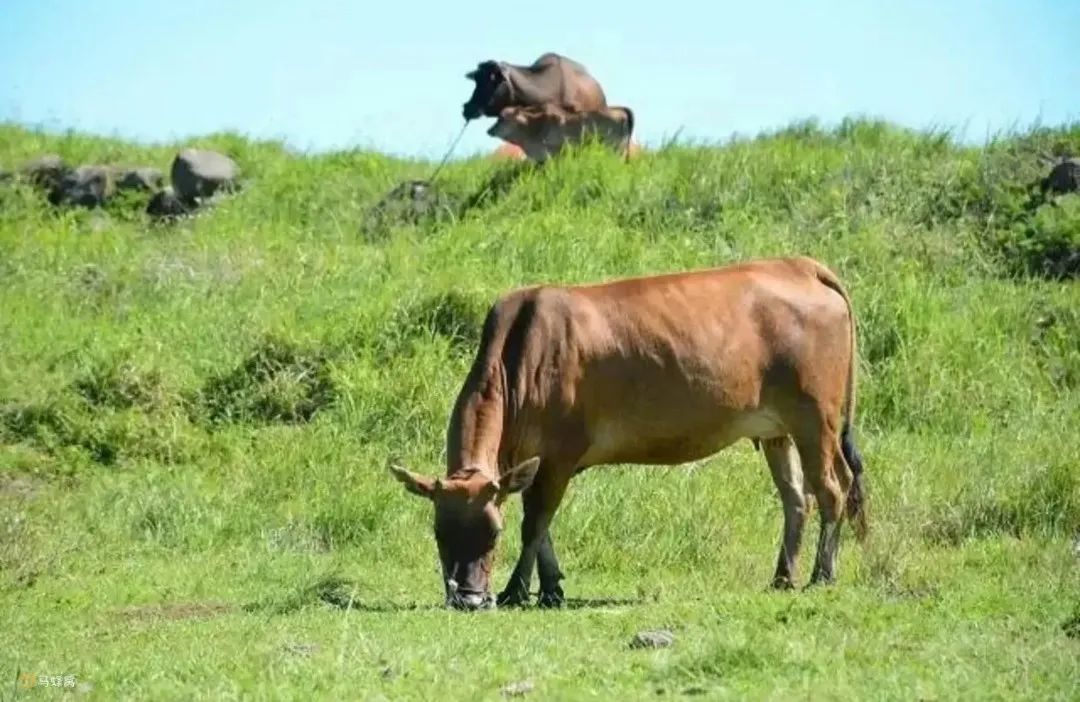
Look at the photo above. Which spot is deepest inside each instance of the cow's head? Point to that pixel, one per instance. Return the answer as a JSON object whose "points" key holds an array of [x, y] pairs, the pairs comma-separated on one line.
{"points": [[468, 522], [493, 91], [517, 124], [510, 125]]}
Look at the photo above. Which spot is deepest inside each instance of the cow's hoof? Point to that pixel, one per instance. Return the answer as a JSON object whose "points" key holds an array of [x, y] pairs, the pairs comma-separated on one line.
{"points": [[782, 583], [512, 598], [551, 600], [819, 580]]}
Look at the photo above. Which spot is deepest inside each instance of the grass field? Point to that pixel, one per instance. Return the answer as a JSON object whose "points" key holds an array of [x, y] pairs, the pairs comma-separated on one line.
{"points": [[195, 420]]}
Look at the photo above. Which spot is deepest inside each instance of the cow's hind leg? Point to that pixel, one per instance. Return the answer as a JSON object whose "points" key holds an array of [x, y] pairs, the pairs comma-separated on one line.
{"points": [[540, 501], [817, 452], [788, 476]]}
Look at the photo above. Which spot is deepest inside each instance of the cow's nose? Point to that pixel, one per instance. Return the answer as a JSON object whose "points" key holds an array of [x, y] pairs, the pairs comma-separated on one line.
{"points": [[472, 601]]}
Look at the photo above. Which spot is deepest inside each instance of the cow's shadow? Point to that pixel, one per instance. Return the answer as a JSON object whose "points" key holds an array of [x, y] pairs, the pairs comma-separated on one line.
{"points": [[570, 603], [374, 607], [601, 602]]}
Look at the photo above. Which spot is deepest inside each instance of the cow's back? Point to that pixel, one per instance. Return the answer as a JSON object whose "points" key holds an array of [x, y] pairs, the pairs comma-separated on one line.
{"points": [[556, 79]]}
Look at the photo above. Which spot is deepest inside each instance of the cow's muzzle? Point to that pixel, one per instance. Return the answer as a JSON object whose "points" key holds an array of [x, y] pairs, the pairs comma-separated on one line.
{"points": [[470, 110], [457, 598]]}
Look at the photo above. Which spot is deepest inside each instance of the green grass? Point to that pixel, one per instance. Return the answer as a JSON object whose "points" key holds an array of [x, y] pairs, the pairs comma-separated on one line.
{"points": [[195, 419]]}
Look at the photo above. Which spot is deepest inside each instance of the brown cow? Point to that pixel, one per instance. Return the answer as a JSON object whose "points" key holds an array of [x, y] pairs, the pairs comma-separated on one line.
{"points": [[542, 132], [551, 79], [654, 370]]}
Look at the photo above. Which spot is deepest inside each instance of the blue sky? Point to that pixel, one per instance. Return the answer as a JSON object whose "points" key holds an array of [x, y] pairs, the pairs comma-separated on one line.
{"points": [[389, 74]]}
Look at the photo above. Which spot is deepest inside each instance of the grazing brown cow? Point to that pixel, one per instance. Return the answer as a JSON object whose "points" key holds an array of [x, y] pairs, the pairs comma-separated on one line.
{"points": [[655, 370], [542, 132], [551, 79]]}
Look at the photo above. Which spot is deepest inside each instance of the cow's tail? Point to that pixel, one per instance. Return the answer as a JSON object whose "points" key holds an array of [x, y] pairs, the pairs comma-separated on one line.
{"points": [[856, 498]]}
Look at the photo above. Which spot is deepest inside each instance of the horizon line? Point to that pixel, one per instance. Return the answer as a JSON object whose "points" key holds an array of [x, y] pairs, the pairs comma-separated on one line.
{"points": [[957, 134]]}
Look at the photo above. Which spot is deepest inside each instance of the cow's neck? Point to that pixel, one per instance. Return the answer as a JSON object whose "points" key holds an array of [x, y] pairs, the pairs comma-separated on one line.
{"points": [[474, 436]]}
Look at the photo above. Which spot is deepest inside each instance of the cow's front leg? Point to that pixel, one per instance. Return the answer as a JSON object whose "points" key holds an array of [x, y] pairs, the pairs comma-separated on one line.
{"points": [[516, 592], [551, 594], [540, 501]]}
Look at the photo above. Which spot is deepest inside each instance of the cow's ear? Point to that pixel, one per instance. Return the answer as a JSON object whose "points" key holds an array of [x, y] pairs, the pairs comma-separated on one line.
{"points": [[519, 477], [416, 484], [471, 75]]}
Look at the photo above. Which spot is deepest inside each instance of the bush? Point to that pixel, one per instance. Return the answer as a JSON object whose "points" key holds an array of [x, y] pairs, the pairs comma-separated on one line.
{"points": [[1046, 245]]}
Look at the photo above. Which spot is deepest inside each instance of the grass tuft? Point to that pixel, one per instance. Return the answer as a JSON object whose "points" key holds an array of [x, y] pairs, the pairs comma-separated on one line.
{"points": [[279, 381], [120, 384], [1045, 504]]}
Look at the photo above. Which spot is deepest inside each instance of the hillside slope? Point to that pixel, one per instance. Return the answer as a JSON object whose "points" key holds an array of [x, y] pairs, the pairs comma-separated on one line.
{"points": [[195, 417]]}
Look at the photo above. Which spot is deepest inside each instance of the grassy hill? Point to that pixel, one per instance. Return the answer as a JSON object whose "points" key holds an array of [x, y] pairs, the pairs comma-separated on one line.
{"points": [[195, 419]]}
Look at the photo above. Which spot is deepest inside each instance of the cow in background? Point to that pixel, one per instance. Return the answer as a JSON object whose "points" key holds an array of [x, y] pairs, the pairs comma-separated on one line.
{"points": [[542, 132], [551, 79]]}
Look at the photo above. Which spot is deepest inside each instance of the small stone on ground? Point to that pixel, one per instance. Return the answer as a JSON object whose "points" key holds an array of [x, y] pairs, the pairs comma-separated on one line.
{"points": [[517, 689], [661, 638]]}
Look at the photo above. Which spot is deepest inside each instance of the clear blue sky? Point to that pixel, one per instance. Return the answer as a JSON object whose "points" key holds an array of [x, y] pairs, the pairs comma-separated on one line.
{"points": [[389, 74]]}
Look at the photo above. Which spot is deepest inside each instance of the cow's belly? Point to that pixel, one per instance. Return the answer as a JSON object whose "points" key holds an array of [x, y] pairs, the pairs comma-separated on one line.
{"points": [[655, 441]]}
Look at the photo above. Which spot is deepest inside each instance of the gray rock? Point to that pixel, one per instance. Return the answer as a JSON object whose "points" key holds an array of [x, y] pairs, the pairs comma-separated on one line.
{"points": [[165, 204], [418, 192], [143, 179], [86, 186], [409, 203], [199, 173], [1063, 178], [661, 638], [45, 172]]}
